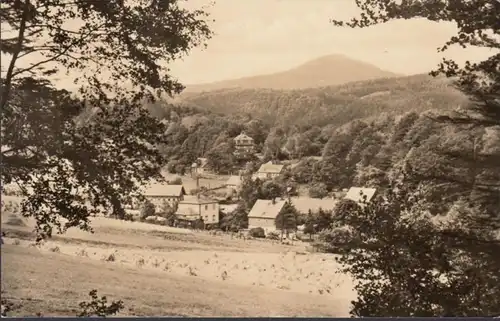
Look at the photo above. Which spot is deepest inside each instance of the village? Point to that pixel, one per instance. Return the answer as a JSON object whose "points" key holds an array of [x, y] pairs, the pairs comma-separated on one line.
{"points": [[178, 203]]}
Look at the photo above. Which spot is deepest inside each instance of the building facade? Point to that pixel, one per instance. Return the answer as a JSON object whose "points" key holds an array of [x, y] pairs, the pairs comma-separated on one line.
{"points": [[244, 144], [269, 171], [193, 208], [263, 214], [159, 194]]}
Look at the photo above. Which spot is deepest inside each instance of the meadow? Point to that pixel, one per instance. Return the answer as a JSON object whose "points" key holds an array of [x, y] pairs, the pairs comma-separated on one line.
{"points": [[164, 271]]}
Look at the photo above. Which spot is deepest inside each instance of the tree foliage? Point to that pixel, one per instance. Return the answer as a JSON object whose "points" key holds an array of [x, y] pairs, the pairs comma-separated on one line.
{"points": [[408, 264], [99, 307], [478, 26], [287, 218], [147, 209], [68, 151]]}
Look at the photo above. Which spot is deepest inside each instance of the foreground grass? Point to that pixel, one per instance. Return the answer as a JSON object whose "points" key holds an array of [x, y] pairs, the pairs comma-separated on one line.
{"points": [[54, 284]]}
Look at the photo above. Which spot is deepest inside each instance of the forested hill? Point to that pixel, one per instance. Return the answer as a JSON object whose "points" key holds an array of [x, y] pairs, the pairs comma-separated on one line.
{"points": [[334, 105]]}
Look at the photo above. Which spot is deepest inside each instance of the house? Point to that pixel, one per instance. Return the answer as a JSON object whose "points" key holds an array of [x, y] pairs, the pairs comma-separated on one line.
{"points": [[243, 144], [158, 194], [357, 194], [234, 182], [306, 204], [196, 207], [200, 166], [269, 171], [263, 214]]}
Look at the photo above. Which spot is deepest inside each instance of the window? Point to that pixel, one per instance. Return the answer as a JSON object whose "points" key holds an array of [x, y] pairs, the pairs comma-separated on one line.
{"points": [[206, 207], [213, 217]]}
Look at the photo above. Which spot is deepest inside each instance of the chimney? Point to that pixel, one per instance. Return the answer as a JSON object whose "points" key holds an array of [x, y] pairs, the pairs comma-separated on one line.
{"points": [[198, 187]]}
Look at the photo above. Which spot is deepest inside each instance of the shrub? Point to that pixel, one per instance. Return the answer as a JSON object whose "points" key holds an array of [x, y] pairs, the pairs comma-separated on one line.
{"points": [[176, 181], [257, 232], [99, 307], [148, 209], [318, 191], [273, 235]]}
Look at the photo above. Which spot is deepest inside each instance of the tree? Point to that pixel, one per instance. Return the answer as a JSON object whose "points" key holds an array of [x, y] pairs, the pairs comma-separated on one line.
{"points": [[324, 220], [309, 225], [451, 262], [272, 190], [220, 158], [168, 212], [286, 219], [407, 264], [236, 220], [318, 190], [250, 191], [98, 145], [478, 26], [147, 209]]}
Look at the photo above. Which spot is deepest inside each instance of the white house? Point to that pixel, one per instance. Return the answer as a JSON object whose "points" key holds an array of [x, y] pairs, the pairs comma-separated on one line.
{"points": [[158, 194], [193, 208], [244, 144], [263, 214], [269, 171], [234, 182], [357, 194]]}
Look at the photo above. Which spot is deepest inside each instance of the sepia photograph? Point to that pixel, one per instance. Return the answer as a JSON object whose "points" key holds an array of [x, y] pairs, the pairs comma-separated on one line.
{"points": [[250, 158]]}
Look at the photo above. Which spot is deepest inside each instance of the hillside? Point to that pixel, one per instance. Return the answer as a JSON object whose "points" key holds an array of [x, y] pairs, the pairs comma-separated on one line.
{"points": [[334, 105], [325, 71]]}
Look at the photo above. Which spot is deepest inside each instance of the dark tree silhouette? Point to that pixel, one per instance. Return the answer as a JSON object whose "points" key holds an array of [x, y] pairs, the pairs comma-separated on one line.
{"points": [[97, 146]]}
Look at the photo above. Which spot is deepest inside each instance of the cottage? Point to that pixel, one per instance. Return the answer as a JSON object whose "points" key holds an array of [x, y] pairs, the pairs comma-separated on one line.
{"points": [[357, 194], [158, 194], [196, 207], [234, 182], [244, 144], [200, 166], [263, 214], [306, 204], [269, 171]]}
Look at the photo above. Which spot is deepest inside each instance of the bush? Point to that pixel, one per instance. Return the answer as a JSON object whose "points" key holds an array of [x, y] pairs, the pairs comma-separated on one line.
{"points": [[99, 307], [318, 191], [273, 235], [148, 209], [257, 232], [176, 181]]}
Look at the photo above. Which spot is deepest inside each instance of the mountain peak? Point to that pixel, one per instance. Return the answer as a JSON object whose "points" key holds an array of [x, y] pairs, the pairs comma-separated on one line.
{"points": [[329, 70]]}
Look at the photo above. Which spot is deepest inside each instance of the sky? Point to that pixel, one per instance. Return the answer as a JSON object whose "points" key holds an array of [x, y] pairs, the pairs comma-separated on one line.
{"points": [[264, 36], [255, 37]]}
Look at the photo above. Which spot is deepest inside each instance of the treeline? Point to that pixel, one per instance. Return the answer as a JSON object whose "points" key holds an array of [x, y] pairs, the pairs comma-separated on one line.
{"points": [[334, 105]]}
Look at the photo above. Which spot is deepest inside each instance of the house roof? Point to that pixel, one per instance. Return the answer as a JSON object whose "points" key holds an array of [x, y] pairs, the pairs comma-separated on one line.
{"points": [[164, 190], [357, 194], [243, 136], [266, 209], [304, 204], [194, 200], [269, 167], [228, 208], [187, 211], [234, 180]]}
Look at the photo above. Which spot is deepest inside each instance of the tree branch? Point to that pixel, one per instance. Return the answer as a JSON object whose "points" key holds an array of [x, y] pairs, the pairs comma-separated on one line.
{"points": [[19, 47]]}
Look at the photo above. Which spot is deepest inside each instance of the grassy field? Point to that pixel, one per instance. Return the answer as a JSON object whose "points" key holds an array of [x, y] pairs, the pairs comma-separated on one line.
{"points": [[162, 271]]}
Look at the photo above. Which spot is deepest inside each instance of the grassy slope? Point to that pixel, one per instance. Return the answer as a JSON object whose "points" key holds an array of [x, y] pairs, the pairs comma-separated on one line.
{"points": [[55, 283], [264, 278]]}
